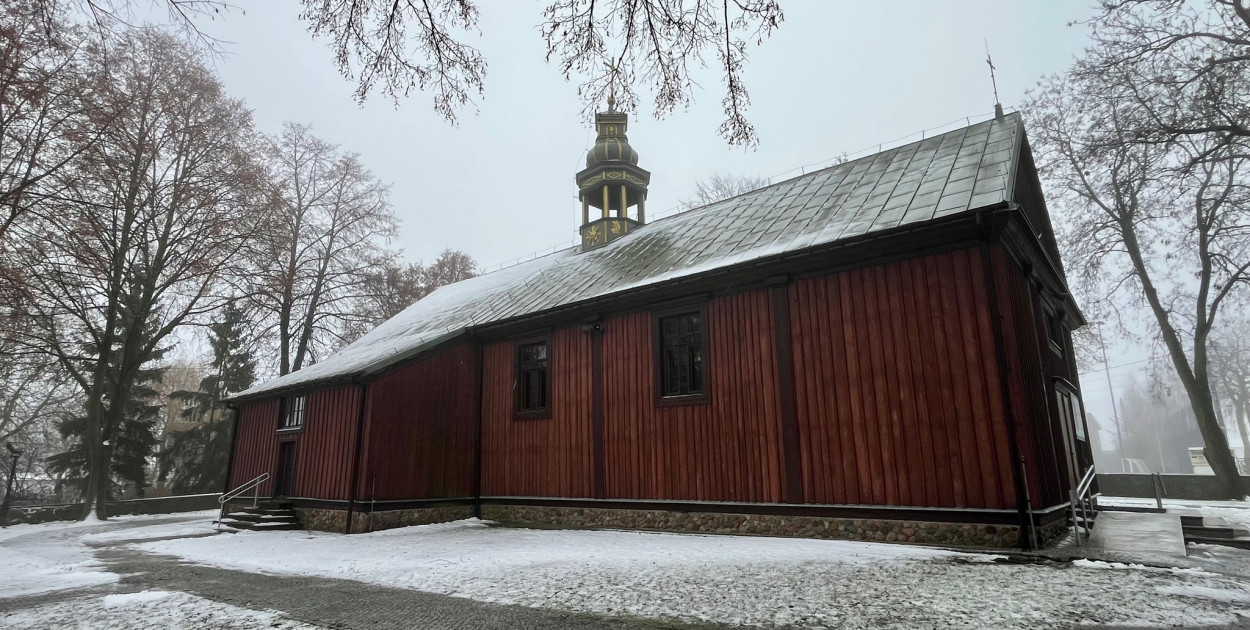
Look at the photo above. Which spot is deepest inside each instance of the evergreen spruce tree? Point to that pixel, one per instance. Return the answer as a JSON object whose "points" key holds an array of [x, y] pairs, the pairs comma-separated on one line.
{"points": [[195, 460]]}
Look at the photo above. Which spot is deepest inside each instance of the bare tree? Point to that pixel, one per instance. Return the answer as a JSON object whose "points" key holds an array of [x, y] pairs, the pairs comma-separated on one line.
{"points": [[1230, 369], [720, 187], [393, 284], [396, 46], [153, 217], [451, 266], [1163, 225], [42, 107], [1199, 50], [330, 220]]}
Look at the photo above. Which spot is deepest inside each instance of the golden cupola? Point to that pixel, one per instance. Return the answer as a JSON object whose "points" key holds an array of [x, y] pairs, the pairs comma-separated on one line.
{"points": [[611, 183]]}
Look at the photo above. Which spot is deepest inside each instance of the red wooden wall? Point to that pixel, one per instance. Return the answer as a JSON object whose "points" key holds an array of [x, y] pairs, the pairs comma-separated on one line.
{"points": [[897, 386], [542, 458], [421, 430], [727, 449], [1024, 337], [256, 444], [323, 456]]}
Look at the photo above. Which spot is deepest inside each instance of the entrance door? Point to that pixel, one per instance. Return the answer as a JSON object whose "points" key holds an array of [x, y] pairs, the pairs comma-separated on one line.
{"points": [[285, 483], [1079, 456]]}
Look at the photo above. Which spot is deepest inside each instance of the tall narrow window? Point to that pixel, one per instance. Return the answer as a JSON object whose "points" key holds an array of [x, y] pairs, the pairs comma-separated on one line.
{"points": [[292, 414], [533, 379], [681, 355]]}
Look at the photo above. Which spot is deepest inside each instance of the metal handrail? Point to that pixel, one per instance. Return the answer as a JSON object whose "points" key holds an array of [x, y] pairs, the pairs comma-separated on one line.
{"points": [[1080, 497], [253, 485]]}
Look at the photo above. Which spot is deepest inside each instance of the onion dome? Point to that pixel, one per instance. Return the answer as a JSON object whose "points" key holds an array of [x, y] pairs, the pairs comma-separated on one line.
{"points": [[612, 145]]}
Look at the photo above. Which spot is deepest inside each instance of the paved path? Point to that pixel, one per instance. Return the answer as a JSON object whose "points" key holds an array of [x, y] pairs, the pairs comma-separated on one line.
{"points": [[328, 603], [1137, 532]]}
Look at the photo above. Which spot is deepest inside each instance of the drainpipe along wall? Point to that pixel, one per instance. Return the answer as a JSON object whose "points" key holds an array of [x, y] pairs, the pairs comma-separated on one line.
{"points": [[984, 219], [360, 429]]}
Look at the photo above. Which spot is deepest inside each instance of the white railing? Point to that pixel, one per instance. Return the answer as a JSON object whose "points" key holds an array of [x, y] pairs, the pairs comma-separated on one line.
{"points": [[1080, 501], [253, 485]]}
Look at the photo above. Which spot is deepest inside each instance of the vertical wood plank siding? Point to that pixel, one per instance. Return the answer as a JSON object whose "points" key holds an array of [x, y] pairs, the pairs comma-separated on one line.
{"points": [[421, 430], [897, 386], [550, 457], [256, 444], [1027, 382], [897, 401], [727, 449], [323, 457]]}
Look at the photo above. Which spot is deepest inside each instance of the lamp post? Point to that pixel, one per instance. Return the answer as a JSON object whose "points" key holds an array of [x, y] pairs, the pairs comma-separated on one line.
{"points": [[15, 453]]}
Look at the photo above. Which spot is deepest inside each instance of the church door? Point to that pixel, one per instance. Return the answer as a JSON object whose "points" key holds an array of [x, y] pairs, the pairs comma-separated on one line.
{"points": [[285, 483]]}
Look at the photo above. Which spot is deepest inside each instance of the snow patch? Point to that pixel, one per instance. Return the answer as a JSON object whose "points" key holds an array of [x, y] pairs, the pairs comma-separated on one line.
{"points": [[739, 580], [126, 599], [142, 611]]}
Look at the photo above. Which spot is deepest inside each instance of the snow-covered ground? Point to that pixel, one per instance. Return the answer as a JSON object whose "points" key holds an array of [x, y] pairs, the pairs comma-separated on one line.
{"points": [[144, 610], [1237, 513], [54, 556], [738, 580]]}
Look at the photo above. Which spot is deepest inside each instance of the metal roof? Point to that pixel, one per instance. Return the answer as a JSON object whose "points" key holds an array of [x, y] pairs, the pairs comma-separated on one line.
{"points": [[958, 171]]}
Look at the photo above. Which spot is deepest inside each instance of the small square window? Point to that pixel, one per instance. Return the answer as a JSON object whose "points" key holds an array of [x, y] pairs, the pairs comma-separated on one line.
{"points": [[533, 382], [292, 418], [681, 355]]}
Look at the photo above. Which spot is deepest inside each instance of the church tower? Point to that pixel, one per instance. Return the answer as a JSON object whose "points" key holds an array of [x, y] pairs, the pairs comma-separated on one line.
{"points": [[611, 183]]}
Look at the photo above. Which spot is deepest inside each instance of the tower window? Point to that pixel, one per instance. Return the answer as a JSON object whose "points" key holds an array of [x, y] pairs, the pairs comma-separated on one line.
{"points": [[533, 381], [682, 342]]}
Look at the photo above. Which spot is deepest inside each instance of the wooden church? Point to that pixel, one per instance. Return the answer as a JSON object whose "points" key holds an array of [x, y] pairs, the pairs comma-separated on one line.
{"points": [[879, 350]]}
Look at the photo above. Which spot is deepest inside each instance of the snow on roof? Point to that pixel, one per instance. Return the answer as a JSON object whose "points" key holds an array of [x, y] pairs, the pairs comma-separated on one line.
{"points": [[958, 171]]}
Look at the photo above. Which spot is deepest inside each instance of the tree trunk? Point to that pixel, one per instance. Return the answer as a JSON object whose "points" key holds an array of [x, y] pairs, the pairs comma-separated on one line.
{"points": [[1240, 406], [1193, 376]]}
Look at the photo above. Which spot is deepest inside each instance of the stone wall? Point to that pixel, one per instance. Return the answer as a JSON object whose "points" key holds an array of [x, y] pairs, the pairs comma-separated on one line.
{"points": [[390, 519], [336, 520], [961, 534], [1194, 487], [74, 511]]}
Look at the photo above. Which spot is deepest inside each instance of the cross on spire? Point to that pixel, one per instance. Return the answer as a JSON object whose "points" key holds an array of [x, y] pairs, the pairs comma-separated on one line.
{"points": [[998, 107], [613, 73]]}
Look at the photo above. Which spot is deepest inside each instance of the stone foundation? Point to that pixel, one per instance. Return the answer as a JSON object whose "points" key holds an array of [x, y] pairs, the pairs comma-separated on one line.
{"points": [[336, 520], [322, 519], [390, 519], [959, 534], [1053, 531]]}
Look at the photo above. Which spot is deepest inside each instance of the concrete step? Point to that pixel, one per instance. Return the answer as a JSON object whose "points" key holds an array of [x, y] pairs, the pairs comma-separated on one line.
{"points": [[1240, 542], [258, 527], [263, 518]]}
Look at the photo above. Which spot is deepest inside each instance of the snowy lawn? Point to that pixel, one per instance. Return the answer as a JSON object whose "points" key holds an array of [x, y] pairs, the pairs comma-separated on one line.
{"points": [[736, 580], [147, 609], [1237, 513], [53, 556]]}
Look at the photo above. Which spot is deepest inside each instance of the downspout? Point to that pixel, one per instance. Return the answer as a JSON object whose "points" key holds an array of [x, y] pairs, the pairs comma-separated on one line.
{"points": [[234, 443], [478, 460], [1000, 349], [360, 429]]}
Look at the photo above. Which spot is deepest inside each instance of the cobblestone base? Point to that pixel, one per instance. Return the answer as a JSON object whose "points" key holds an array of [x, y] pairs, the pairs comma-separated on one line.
{"points": [[322, 519], [1050, 532], [405, 518], [336, 520], [960, 534]]}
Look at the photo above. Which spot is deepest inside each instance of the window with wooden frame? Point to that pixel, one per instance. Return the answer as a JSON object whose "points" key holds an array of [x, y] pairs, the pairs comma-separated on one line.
{"points": [[292, 416], [681, 356], [533, 379], [1055, 332]]}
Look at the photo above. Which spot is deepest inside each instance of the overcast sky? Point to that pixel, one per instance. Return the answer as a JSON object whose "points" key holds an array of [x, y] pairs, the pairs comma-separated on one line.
{"points": [[837, 77]]}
